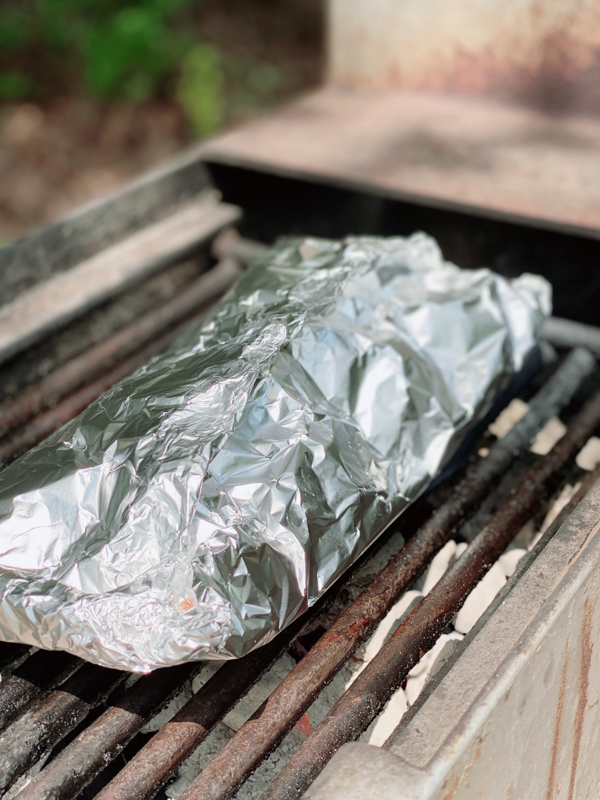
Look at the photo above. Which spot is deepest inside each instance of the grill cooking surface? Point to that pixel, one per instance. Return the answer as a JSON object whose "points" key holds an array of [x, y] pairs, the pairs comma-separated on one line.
{"points": [[267, 724]]}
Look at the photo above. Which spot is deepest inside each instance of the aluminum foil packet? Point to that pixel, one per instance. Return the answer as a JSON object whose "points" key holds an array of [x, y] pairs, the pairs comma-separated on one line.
{"points": [[211, 497]]}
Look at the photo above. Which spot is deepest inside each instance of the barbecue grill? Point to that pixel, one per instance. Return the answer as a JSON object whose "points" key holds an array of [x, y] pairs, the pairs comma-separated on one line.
{"points": [[511, 709]]}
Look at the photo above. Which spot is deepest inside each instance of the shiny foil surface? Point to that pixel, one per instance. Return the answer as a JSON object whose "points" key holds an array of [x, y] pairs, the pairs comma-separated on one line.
{"points": [[211, 497]]}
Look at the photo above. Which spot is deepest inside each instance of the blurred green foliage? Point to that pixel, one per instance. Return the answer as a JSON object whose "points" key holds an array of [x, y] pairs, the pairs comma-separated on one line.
{"points": [[200, 88], [134, 51], [128, 53]]}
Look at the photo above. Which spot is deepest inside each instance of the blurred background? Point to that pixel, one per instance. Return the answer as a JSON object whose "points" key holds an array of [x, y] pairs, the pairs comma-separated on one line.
{"points": [[94, 92]]}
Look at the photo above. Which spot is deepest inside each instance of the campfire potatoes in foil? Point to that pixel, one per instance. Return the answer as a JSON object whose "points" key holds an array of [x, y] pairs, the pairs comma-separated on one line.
{"points": [[210, 498]]}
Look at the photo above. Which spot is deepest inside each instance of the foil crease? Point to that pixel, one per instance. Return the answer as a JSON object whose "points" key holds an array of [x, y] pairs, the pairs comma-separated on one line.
{"points": [[211, 497]]}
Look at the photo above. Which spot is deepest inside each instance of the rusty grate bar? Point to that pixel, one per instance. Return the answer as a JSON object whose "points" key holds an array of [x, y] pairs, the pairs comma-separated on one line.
{"points": [[152, 766], [48, 422], [357, 707], [105, 738], [47, 722], [36, 677], [89, 754], [155, 762], [103, 357], [586, 484]]}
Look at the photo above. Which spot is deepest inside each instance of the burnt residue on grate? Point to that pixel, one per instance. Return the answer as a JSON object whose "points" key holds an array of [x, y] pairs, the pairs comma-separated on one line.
{"points": [[32, 680], [33, 735]]}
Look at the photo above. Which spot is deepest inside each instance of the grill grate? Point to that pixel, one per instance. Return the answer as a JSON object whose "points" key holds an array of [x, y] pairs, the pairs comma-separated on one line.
{"points": [[64, 724], [419, 632]]}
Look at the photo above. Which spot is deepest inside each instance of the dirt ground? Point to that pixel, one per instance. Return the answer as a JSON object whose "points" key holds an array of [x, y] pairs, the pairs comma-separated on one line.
{"points": [[56, 157]]}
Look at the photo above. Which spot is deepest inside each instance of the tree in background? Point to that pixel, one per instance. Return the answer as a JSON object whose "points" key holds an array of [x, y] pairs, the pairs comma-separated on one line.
{"points": [[95, 92], [135, 52]]}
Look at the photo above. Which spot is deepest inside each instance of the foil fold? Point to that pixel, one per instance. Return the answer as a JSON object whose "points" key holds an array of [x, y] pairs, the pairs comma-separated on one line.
{"points": [[211, 497]]}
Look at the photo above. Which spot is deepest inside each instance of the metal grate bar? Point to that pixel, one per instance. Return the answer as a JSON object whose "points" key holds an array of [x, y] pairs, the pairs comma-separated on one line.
{"points": [[95, 327], [48, 422], [151, 767], [36, 677], [154, 764], [105, 738], [47, 723], [68, 294], [567, 333], [97, 360], [355, 710], [11, 655], [524, 564], [45, 424]]}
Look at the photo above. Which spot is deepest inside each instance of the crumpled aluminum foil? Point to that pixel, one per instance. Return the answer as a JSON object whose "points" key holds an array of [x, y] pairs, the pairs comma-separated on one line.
{"points": [[207, 500]]}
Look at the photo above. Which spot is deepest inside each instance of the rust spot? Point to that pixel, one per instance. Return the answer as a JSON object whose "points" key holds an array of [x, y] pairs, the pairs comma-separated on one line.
{"points": [[478, 750], [557, 725], [509, 791], [587, 647], [304, 725], [452, 789], [356, 626], [549, 60]]}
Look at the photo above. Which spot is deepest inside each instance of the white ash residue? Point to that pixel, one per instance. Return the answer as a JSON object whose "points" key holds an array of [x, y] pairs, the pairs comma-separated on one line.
{"points": [[480, 598], [589, 456], [508, 418], [259, 692], [552, 431], [477, 602], [195, 763]]}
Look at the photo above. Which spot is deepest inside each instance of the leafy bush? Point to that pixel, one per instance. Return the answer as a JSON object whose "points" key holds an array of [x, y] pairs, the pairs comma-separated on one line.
{"points": [[137, 51], [115, 51], [129, 53], [200, 89]]}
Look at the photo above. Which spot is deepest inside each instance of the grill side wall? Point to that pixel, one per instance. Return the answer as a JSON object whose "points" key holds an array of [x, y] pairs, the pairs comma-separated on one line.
{"points": [[517, 714]]}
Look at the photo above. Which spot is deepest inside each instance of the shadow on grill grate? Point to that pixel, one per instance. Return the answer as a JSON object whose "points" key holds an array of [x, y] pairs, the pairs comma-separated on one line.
{"points": [[267, 724]]}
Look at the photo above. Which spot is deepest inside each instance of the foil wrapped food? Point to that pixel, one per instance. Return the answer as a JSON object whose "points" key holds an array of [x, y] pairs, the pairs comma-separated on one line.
{"points": [[210, 498]]}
